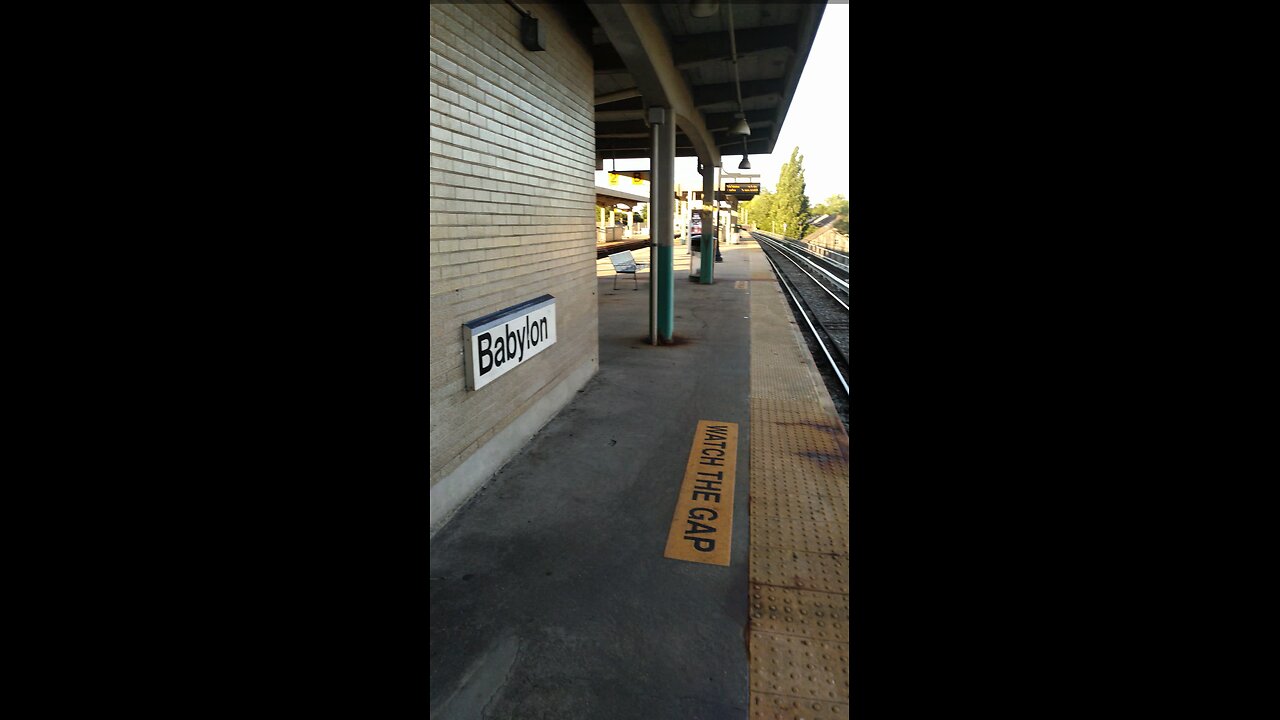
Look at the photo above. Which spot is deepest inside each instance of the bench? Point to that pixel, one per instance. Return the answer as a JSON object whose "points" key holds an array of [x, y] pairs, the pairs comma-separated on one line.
{"points": [[623, 264]]}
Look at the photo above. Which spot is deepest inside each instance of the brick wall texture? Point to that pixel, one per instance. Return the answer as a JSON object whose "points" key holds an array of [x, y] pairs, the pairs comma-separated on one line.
{"points": [[512, 209]]}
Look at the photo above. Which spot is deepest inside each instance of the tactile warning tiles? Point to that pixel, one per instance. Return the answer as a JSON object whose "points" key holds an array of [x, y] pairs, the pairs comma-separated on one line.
{"points": [[812, 506], [819, 537], [782, 707], [776, 485], [801, 433], [814, 615], [784, 386], [778, 362], [807, 410], [790, 472], [799, 667], [788, 567], [798, 642]]}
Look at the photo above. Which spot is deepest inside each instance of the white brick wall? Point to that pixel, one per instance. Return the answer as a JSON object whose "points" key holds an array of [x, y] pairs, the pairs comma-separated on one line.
{"points": [[512, 211]]}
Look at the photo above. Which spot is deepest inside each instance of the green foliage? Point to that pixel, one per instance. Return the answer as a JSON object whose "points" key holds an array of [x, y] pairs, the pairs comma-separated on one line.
{"points": [[758, 209], [837, 204], [790, 208]]}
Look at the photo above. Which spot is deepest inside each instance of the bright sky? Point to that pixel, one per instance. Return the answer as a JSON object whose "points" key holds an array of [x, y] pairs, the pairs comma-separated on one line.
{"points": [[817, 120]]}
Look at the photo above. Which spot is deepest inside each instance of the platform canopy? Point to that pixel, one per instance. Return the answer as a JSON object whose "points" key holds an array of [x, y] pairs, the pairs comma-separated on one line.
{"points": [[612, 196], [660, 54]]}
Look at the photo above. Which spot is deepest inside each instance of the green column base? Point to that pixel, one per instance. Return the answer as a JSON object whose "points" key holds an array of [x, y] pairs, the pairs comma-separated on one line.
{"points": [[664, 265], [708, 258]]}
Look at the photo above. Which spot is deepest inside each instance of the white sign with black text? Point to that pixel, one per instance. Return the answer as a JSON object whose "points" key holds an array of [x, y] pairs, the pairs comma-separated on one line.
{"points": [[498, 342]]}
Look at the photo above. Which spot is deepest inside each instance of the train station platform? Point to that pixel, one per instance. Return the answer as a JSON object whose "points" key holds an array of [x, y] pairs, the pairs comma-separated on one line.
{"points": [[578, 583]]}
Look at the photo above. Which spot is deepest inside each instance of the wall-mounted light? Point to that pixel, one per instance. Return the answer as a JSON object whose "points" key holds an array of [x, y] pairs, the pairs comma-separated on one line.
{"points": [[703, 8], [533, 35]]}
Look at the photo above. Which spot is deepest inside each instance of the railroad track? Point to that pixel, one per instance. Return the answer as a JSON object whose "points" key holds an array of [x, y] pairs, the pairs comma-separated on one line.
{"points": [[606, 249], [833, 261], [822, 301]]}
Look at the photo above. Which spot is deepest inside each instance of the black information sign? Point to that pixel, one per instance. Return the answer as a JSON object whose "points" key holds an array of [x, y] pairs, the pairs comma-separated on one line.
{"points": [[742, 189]]}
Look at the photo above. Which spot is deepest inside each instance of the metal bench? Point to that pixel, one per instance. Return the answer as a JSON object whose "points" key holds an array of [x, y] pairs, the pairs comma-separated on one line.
{"points": [[624, 263]]}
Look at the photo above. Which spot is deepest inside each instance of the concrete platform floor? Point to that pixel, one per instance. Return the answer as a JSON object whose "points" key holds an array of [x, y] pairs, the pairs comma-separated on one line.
{"points": [[550, 595]]}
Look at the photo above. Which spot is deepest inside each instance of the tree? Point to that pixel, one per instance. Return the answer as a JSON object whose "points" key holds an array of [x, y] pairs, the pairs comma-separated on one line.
{"points": [[837, 204], [790, 210], [758, 209]]}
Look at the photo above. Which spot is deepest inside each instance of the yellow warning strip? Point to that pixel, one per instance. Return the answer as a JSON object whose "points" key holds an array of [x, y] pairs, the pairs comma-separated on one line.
{"points": [[702, 526], [798, 557]]}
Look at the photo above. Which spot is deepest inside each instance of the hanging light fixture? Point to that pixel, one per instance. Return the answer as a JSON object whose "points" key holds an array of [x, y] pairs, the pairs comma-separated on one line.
{"points": [[740, 127], [703, 8], [745, 164]]}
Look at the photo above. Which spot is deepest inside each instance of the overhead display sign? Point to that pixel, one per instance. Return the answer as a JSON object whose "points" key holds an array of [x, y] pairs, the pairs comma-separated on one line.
{"points": [[741, 189], [495, 344]]}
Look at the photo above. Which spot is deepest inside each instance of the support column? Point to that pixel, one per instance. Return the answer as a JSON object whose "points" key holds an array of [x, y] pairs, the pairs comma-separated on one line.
{"points": [[663, 240], [688, 218], [654, 183], [662, 165], [681, 225], [709, 218]]}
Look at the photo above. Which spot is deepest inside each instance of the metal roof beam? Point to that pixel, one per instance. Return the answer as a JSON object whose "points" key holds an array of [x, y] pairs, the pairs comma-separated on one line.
{"points": [[625, 126], [618, 115], [636, 34], [754, 147], [761, 118], [725, 92], [606, 145], [630, 128], [701, 48], [616, 96]]}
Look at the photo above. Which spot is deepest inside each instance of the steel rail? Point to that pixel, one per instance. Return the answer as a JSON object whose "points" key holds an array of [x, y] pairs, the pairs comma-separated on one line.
{"points": [[826, 254], [835, 367], [801, 253], [810, 248], [783, 245], [816, 280], [825, 249]]}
